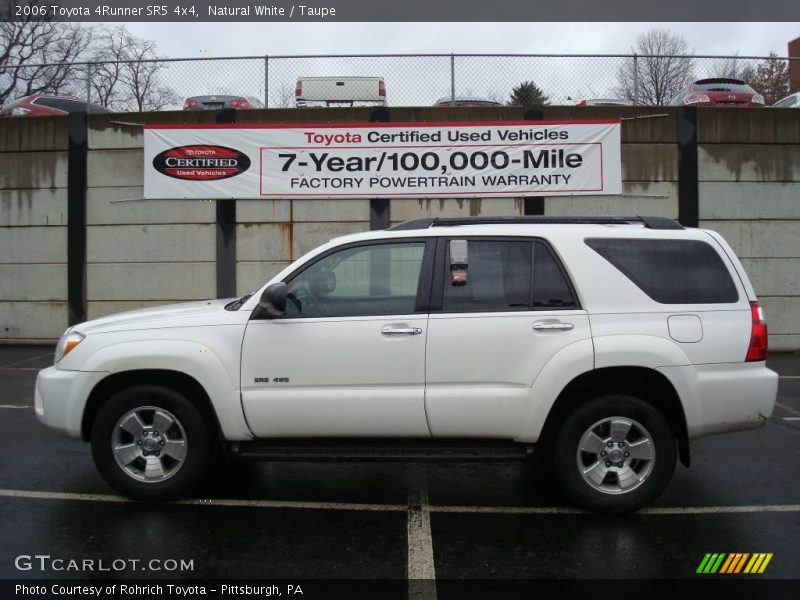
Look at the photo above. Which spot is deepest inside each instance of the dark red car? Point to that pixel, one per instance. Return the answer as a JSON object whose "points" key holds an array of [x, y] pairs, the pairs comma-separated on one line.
{"points": [[718, 92], [41, 105]]}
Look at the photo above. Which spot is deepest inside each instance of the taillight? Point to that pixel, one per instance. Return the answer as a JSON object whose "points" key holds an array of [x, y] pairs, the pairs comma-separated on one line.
{"points": [[758, 334], [298, 91], [696, 98], [757, 99], [583, 103], [189, 103], [240, 103], [381, 89]]}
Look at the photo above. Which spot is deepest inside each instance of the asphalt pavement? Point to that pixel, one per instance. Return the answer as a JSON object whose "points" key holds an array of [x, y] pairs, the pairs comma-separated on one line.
{"points": [[393, 521]]}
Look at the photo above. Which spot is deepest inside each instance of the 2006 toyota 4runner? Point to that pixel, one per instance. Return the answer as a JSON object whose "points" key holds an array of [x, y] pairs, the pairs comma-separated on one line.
{"points": [[606, 343]]}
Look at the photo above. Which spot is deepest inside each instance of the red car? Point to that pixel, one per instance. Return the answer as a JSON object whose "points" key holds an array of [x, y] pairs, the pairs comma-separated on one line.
{"points": [[41, 105], [718, 92]]}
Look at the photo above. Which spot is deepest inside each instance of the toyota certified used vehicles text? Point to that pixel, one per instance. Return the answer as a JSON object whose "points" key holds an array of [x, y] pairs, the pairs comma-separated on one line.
{"points": [[719, 91], [606, 344]]}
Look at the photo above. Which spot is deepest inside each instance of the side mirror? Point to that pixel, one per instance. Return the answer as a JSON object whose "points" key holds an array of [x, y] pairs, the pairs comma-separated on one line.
{"points": [[273, 300]]}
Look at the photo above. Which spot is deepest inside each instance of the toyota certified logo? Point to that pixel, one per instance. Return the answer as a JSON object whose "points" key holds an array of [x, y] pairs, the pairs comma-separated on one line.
{"points": [[201, 163], [731, 96]]}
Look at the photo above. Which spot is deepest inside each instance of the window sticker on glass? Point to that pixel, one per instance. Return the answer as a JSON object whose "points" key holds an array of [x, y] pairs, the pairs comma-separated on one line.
{"points": [[459, 262]]}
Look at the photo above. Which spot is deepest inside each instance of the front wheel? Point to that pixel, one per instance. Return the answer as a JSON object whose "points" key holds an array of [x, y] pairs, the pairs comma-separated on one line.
{"points": [[150, 443], [614, 454]]}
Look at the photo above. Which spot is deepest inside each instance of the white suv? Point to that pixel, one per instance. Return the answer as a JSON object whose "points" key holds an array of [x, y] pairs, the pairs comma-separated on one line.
{"points": [[608, 343]]}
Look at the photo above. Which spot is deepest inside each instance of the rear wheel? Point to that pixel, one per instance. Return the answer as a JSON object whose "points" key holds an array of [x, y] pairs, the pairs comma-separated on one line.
{"points": [[614, 454], [150, 443]]}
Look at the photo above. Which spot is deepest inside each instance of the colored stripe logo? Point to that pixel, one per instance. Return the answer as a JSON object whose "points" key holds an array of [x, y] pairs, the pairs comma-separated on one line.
{"points": [[734, 563]]}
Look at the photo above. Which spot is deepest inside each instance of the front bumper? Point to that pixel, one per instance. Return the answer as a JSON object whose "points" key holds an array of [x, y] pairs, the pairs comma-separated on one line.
{"points": [[61, 396]]}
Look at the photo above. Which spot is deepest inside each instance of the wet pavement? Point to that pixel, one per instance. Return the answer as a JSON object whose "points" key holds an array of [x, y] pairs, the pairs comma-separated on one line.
{"points": [[358, 520]]}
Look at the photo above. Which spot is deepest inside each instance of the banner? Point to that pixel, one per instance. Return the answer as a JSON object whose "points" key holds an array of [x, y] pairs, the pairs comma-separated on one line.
{"points": [[383, 160]]}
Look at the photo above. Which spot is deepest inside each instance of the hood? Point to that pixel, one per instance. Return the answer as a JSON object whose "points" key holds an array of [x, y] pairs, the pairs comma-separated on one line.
{"points": [[185, 314]]}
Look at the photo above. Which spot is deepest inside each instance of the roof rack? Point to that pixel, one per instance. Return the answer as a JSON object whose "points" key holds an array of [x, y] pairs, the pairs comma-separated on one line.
{"points": [[648, 222]]}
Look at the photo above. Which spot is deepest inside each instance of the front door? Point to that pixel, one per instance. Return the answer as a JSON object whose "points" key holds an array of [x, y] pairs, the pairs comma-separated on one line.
{"points": [[348, 358]]}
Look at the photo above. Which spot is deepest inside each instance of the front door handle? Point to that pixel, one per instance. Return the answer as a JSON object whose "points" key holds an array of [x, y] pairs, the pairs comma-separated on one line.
{"points": [[542, 326], [402, 331]]}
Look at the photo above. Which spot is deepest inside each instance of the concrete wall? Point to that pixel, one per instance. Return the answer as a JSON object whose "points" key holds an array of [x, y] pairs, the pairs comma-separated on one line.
{"points": [[33, 232], [142, 253], [749, 180]]}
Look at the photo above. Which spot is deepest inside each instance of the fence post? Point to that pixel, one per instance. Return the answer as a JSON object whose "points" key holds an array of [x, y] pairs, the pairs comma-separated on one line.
{"points": [[452, 77], [266, 81], [635, 79]]}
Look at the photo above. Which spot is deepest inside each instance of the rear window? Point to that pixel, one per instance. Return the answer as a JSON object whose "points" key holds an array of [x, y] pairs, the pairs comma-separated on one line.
{"points": [[70, 106], [737, 87], [671, 271]]}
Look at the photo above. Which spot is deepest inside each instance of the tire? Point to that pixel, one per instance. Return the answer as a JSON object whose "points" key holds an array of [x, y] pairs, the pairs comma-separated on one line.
{"points": [[162, 443], [587, 468]]}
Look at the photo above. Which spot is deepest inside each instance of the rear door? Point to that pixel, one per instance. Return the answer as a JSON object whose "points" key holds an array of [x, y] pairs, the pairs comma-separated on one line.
{"points": [[500, 311]]}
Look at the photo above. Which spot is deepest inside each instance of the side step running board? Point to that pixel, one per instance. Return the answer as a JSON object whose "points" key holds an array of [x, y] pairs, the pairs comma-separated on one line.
{"points": [[380, 449]]}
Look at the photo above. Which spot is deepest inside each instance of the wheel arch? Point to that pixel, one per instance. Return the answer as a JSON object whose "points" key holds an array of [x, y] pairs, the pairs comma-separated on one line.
{"points": [[642, 382], [174, 380]]}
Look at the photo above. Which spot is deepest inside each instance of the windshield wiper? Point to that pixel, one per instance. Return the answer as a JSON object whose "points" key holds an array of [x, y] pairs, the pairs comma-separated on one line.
{"points": [[237, 304]]}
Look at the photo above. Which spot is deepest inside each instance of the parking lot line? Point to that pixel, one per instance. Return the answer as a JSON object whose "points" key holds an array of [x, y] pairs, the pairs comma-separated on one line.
{"points": [[420, 542], [15, 406], [22, 362], [794, 411], [423, 507]]}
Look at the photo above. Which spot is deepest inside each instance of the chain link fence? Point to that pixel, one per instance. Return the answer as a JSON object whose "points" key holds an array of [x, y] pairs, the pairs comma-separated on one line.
{"points": [[410, 80]]}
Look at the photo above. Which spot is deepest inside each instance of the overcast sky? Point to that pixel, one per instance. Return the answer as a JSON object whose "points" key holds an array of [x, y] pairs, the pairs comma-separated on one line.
{"points": [[220, 39]]}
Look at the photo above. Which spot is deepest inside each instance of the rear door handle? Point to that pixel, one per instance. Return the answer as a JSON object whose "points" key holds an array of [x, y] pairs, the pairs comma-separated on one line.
{"points": [[402, 331], [541, 326]]}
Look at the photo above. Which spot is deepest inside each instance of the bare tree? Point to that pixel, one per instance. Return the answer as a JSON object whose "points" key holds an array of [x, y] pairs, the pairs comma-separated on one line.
{"points": [[36, 55], [283, 97], [662, 65], [732, 67], [105, 73], [126, 73]]}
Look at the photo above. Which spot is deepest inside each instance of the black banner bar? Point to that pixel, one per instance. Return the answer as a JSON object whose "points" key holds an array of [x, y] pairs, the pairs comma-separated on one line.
{"points": [[77, 173], [193, 11]]}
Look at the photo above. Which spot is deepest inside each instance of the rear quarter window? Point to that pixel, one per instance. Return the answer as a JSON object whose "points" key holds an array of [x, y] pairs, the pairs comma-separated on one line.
{"points": [[671, 271]]}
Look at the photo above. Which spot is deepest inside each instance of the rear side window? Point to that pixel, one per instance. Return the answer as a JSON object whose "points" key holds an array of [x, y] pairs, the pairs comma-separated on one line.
{"points": [[497, 277], [671, 271], [503, 275]]}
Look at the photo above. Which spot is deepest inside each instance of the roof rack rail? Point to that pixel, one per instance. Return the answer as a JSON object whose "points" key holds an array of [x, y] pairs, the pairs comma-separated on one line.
{"points": [[648, 222]]}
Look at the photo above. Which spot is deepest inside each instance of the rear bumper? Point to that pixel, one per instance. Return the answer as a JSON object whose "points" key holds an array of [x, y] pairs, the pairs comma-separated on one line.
{"points": [[724, 397], [60, 398]]}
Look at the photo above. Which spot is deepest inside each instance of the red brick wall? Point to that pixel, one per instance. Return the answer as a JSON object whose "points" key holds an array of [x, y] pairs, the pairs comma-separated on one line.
{"points": [[794, 65]]}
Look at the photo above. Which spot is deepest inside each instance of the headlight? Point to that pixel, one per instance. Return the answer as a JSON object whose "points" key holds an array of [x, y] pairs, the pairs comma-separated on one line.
{"points": [[68, 341]]}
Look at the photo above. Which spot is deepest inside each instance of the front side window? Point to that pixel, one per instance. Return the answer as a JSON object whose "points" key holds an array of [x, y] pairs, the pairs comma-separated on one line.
{"points": [[380, 279]]}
